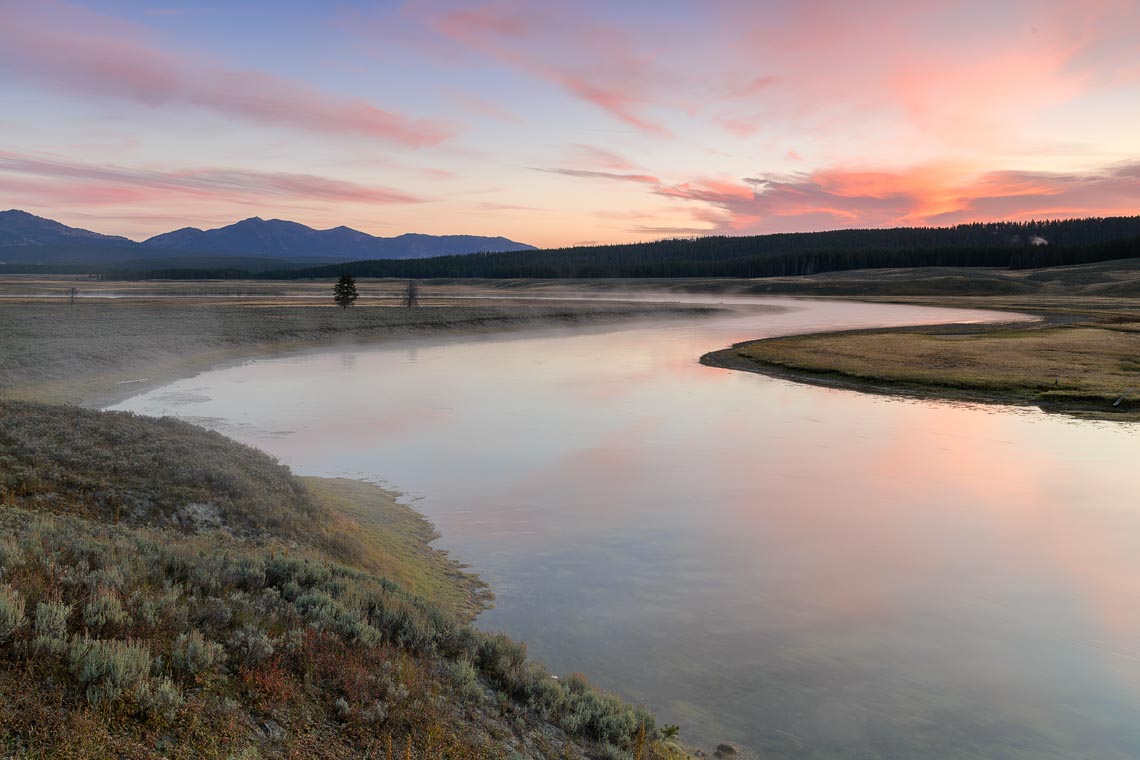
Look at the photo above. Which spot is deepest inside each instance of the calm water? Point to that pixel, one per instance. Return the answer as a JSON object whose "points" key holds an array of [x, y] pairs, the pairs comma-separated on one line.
{"points": [[803, 571]]}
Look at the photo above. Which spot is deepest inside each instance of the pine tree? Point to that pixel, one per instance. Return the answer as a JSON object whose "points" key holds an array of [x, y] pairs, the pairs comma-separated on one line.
{"points": [[344, 292]]}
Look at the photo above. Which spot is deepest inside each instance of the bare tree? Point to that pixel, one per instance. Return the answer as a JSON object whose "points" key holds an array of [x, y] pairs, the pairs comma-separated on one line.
{"points": [[412, 295]]}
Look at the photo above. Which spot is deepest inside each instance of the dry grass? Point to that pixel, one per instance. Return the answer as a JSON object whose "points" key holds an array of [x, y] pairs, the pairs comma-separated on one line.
{"points": [[93, 352], [1070, 368], [395, 543]]}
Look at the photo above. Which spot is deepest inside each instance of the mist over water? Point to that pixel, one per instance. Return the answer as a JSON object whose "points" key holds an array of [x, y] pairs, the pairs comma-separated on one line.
{"points": [[803, 571]]}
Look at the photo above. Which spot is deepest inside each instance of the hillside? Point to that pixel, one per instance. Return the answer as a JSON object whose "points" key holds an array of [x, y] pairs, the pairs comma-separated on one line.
{"points": [[167, 592]]}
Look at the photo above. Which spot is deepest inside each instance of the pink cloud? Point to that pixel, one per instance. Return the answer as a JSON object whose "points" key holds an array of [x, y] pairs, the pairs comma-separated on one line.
{"points": [[483, 106], [619, 103], [588, 58], [600, 158], [645, 179], [77, 50], [740, 127], [969, 75], [491, 206], [49, 181]]}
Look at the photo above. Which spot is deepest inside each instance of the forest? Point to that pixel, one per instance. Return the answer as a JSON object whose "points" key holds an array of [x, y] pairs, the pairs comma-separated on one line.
{"points": [[1016, 245]]}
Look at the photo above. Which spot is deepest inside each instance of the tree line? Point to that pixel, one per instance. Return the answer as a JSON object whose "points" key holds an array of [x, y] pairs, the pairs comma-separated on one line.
{"points": [[1016, 245]]}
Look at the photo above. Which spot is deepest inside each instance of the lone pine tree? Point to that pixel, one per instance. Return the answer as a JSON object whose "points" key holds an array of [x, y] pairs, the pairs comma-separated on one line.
{"points": [[344, 292]]}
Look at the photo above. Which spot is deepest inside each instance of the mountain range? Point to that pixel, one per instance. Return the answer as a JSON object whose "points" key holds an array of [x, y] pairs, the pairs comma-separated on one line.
{"points": [[29, 239], [19, 229]]}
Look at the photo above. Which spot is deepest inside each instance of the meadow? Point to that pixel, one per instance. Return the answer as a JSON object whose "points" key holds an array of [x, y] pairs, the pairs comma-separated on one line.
{"points": [[1081, 358], [101, 349]]}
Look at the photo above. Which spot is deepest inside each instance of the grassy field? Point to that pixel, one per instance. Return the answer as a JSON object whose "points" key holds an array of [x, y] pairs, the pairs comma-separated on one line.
{"points": [[1111, 279], [1082, 359], [101, 350]]}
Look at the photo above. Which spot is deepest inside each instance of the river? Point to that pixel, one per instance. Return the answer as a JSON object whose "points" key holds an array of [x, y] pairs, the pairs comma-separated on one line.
{"points": [[801, 571]]}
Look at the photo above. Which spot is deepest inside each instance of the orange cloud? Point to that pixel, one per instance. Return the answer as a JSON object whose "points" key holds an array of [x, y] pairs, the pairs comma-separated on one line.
{"points": [[709, 191], [923, 195]]}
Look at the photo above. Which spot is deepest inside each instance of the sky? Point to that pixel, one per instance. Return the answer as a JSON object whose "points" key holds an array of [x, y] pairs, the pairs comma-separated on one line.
{"points": [[557, 123]]}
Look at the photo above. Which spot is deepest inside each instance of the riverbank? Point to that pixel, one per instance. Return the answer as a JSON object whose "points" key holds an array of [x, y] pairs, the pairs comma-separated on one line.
{"points": [[167, 592], [1081, 358], [97, 352], [174, 593]]}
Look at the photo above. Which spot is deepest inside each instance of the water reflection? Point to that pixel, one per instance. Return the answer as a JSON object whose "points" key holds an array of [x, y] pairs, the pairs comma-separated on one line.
{"points": [[808, 572]]}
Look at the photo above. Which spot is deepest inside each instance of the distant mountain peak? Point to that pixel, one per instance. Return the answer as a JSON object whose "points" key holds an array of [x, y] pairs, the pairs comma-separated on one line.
{"points": [[253, 237], [19, 228], [283, 238]]}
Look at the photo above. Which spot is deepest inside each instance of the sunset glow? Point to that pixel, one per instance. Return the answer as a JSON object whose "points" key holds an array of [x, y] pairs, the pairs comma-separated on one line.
{"points": [[558, 124]]}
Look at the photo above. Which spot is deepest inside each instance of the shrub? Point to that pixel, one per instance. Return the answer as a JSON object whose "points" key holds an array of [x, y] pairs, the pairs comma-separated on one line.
{"points": [[11, 556], [107, 668], [158, 698], [194, 653], [51, 619], [165, 609], [502, 659], [610, 752], [213, 613], [343, 709], [377, 713], [326, 614], [105, 578], [11, 612], [249, 645], [46, 647], [544, 694], [465, 679], [105, 613]]}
